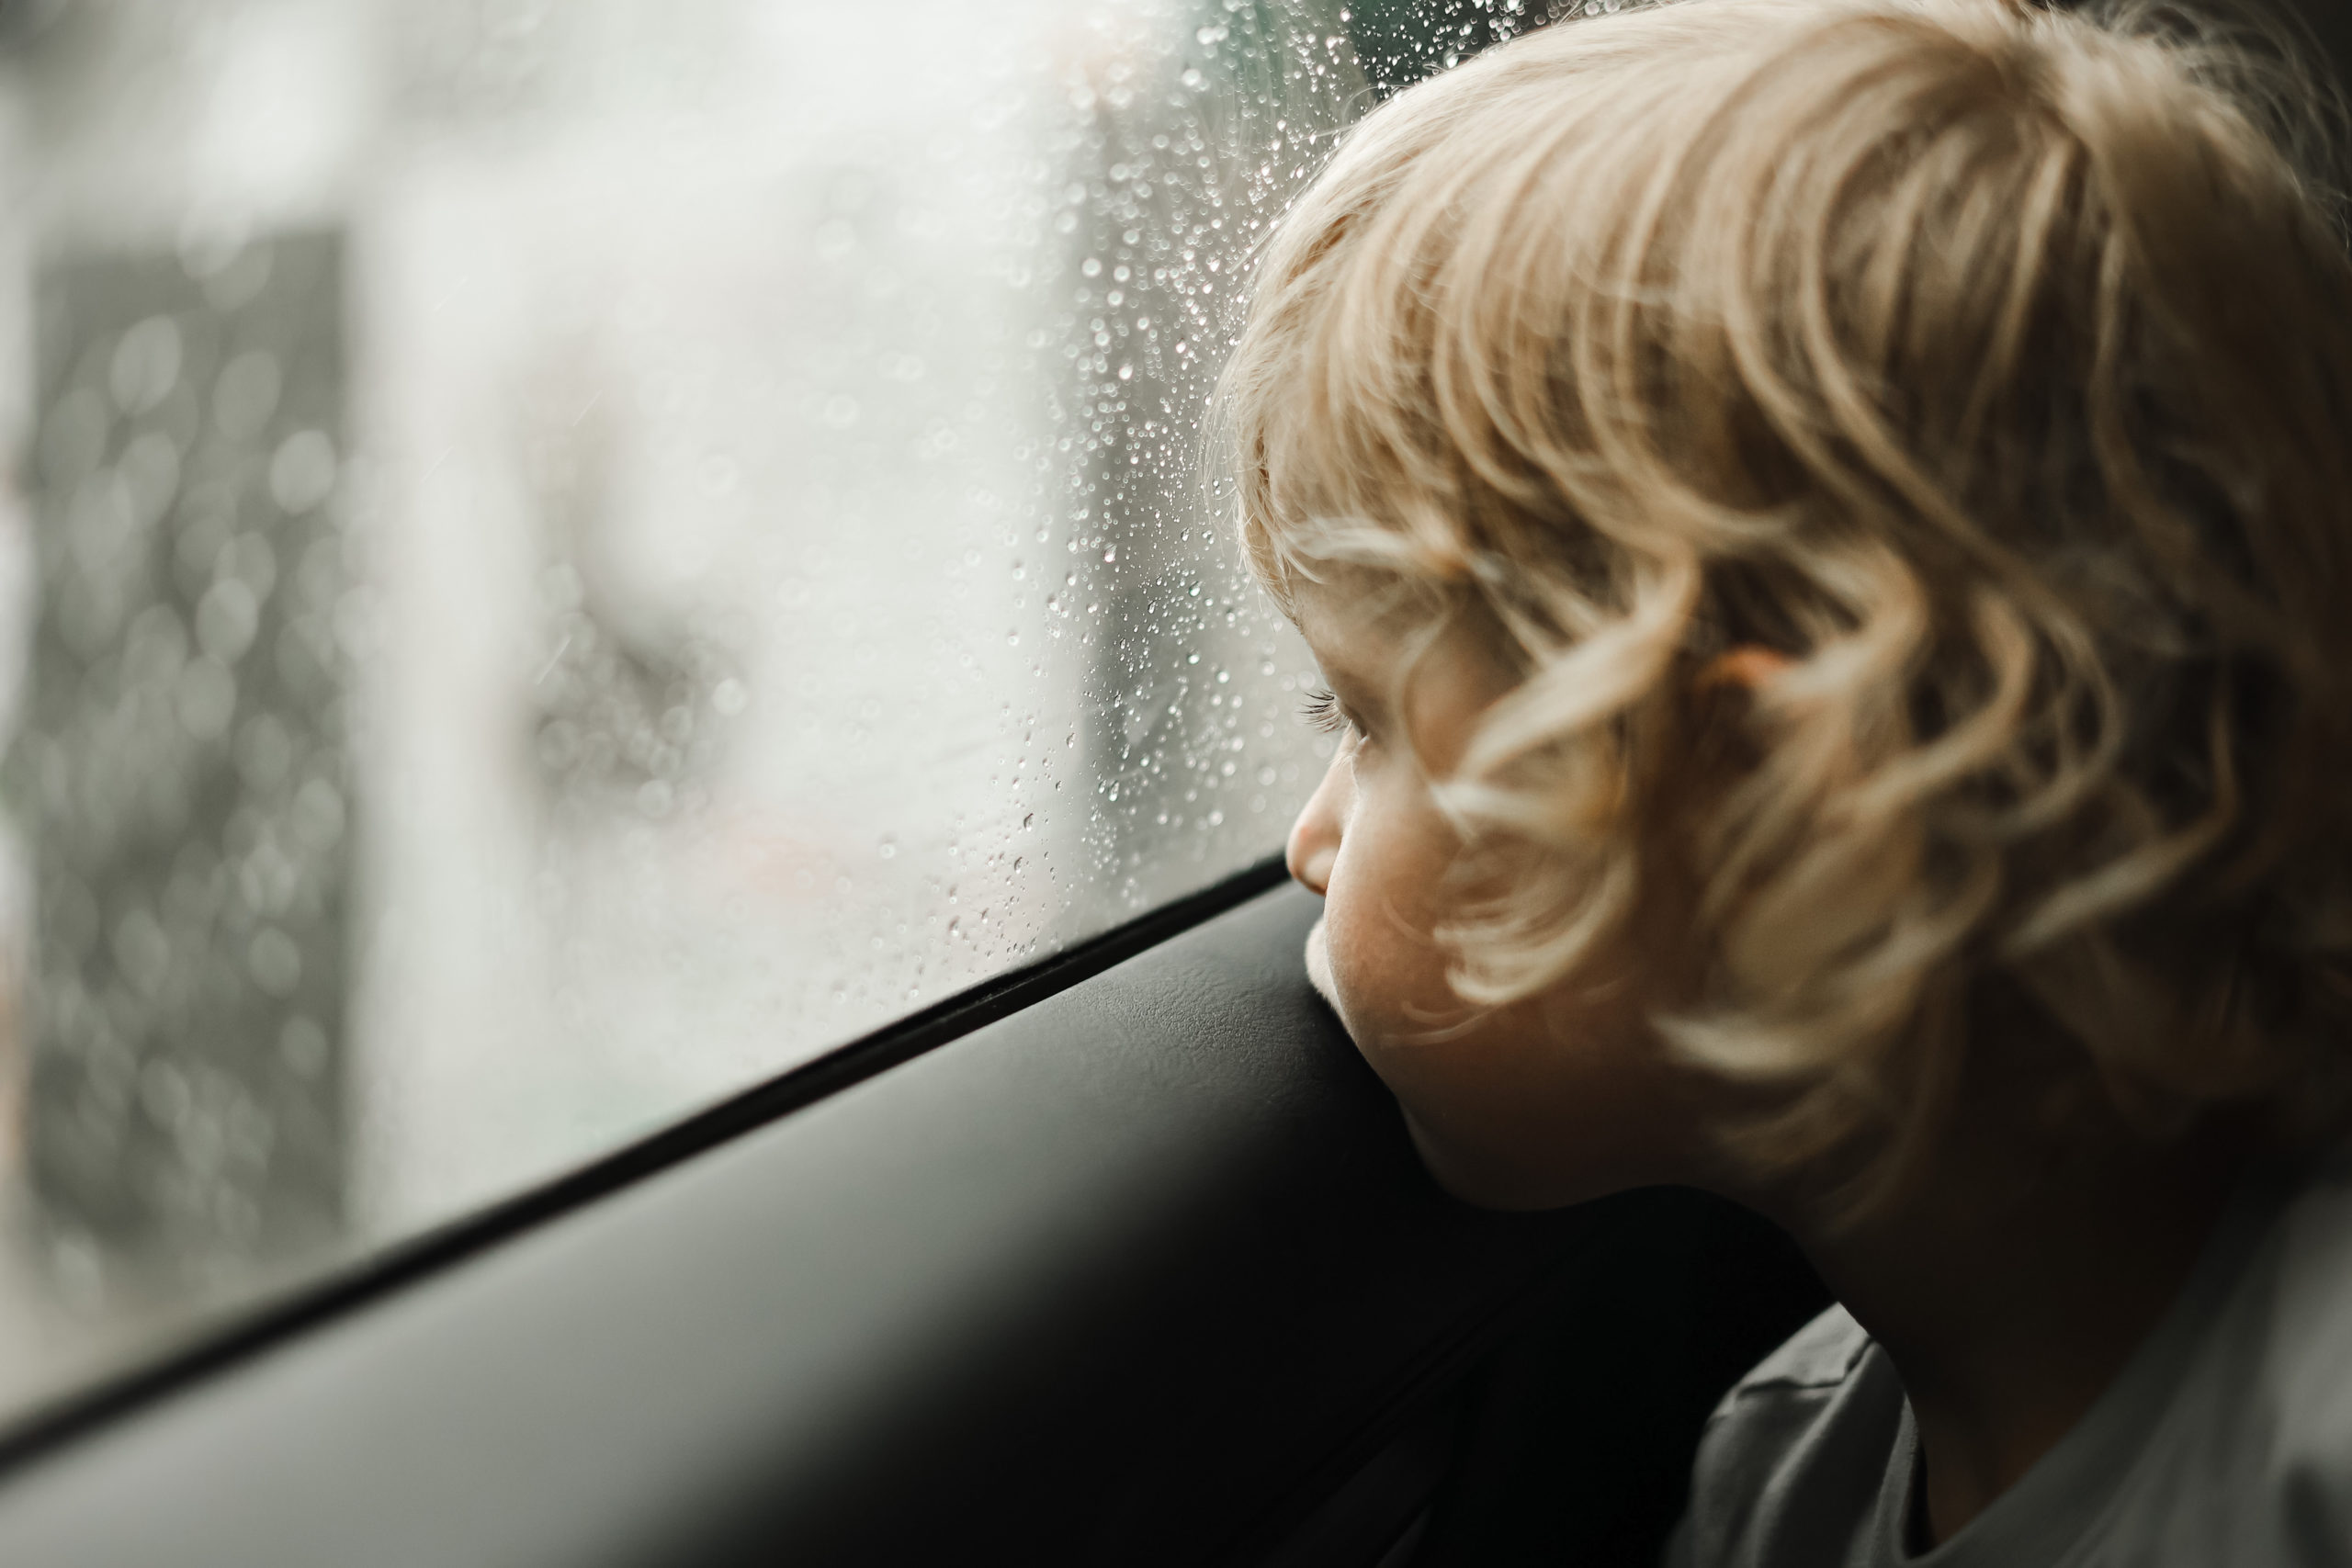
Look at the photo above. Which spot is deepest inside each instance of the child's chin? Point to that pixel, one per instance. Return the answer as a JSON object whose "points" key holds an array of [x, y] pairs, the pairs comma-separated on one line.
{"points": [[1318, 967]]}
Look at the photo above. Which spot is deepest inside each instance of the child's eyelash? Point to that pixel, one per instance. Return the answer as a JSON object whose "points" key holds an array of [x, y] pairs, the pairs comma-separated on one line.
{"points": [[1321, 710]]}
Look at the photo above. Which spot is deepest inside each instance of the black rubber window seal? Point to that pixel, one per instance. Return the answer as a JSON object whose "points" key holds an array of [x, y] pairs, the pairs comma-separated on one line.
{"points": [[363, 1280]]}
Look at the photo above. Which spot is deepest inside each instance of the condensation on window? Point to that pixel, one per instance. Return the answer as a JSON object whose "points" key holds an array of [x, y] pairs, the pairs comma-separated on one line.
{"points": [[567, 558]]}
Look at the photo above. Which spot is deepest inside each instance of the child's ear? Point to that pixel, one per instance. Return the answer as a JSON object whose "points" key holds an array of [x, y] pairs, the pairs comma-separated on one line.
{"points": [[1744, 668], [1721, 699]]}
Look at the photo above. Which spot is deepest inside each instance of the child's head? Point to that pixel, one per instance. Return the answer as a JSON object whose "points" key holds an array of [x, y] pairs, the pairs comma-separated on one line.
{"points": [[1845, 508]]}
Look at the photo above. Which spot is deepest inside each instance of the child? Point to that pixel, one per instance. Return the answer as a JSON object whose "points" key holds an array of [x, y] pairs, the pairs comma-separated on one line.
{"points": [[1828, 527]]}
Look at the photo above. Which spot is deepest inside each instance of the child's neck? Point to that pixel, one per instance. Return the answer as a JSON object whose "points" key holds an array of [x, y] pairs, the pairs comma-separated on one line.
{"points": [[2009, 1288]]}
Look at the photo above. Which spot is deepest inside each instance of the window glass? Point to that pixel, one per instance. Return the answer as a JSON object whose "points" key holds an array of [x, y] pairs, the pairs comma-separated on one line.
{"points": [[564, 558]]}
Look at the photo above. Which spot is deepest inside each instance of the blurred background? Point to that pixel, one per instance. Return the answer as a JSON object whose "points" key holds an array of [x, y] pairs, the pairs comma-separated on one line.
{"points": [[559, 559]]}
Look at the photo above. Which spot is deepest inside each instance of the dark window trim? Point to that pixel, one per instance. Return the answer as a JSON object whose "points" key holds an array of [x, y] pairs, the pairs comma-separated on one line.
{"points": [[345, 1288]]}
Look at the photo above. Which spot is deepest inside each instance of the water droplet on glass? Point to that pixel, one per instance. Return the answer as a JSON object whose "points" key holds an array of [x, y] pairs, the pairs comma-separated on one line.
{"points": [[150, 471], [264, 753], [205, 698], [226, 618], [302, 471], [304, 1047], [318, 813], [146, 365], [141, 951], [245, 396], [249, 558], [275, 963], [73, 438]]}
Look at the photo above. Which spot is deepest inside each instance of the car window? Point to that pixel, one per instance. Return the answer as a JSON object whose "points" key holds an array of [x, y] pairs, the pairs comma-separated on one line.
{"points": [[564, 559]]}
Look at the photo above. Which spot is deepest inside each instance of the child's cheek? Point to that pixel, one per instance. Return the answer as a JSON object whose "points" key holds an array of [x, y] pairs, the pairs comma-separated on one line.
{"points": [[1335, 968], [1387, 986], [1318, 965]]}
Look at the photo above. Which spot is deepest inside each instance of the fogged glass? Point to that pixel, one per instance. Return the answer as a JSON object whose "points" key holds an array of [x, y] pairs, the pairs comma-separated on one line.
{"points": [[568, 557]]}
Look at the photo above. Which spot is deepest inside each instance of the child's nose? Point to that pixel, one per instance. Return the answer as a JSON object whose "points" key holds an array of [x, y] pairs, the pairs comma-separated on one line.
{"points": [[1313, 843]]}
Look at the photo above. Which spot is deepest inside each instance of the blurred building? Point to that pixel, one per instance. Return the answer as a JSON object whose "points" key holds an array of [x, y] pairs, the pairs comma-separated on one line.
{"points": [[180, 774]]}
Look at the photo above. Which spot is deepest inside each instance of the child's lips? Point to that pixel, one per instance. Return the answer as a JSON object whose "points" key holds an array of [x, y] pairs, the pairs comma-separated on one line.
{"points": [[1319, 965]]}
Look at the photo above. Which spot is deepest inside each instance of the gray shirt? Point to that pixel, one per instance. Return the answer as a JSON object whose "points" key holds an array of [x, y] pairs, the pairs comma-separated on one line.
{"points": [[2225, 1440]]}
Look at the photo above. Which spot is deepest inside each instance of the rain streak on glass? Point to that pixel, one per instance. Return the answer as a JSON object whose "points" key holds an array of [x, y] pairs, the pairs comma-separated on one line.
{"points": [[565, 558]]}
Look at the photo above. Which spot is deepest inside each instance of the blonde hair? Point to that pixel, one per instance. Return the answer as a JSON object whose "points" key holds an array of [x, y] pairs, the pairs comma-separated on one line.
{"points": [[1992, 365]]}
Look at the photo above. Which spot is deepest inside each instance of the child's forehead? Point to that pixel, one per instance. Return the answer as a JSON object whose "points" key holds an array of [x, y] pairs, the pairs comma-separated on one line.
{"points": [[1356, 624], [1367, 634]]}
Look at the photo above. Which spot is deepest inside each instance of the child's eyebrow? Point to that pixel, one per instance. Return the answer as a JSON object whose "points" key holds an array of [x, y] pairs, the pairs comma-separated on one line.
{"points": [[1350, 685], [1357, 700]]}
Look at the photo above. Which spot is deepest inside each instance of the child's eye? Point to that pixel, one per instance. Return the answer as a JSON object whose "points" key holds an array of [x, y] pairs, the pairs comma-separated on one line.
{"points": [[1322, 711]]}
